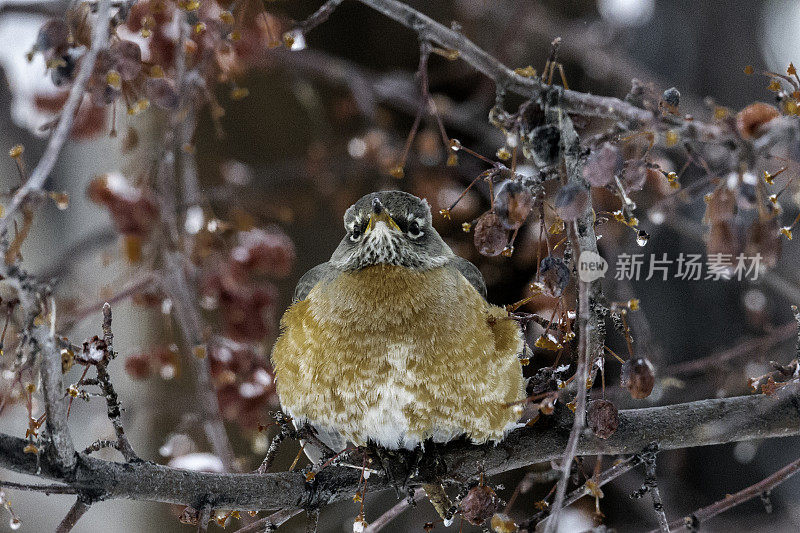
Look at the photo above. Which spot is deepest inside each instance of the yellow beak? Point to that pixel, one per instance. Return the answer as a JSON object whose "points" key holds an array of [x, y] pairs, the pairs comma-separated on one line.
{"points": [[384, 217]]}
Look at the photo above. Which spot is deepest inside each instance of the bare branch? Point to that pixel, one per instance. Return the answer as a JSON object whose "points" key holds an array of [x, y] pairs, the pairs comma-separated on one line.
{"points": [[112, 400], [47, 489], [176, 285], [48, 160], [701, 423], [507, 80], [732, 500], [75, 513], [590, 343], [395, 511], [271, 522]]}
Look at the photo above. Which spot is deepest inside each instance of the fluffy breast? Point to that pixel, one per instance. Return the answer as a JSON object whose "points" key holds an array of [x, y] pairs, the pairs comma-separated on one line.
{"points": [[399, 356]]}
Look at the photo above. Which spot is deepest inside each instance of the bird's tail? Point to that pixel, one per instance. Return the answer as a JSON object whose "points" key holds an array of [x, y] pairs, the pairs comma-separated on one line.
{"points": [[440, 501]]}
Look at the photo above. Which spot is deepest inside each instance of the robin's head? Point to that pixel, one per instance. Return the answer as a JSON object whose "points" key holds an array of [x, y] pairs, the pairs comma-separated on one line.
{"points": [[390, 228]]}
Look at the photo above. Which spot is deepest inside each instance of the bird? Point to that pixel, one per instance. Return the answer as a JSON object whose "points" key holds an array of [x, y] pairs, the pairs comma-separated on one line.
{"points": [[392, 341]]}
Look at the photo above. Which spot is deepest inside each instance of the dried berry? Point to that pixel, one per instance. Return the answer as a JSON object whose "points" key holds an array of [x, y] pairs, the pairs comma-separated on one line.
{"points": [[127, 58], [133, 210], [602, 165], [543, 145], [162, 93], [671, 99], [749, 121], [721, 205], [479, 505], [603, 418], [502, 523], [490, 236], [53, 39], [571, 201], [638, 377], [264, 252], [553, 276], [513, 203]]}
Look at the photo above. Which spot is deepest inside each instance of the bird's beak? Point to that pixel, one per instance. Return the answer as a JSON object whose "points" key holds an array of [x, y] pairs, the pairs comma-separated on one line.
{"points": [[379, 214]]}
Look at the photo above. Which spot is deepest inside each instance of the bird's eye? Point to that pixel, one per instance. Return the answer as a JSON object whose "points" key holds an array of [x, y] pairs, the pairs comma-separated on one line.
{"points": [[413, 229], [355, 234]]}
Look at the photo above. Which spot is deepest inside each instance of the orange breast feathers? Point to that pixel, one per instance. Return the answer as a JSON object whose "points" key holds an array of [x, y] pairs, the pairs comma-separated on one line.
{"points": [[398, 356]]}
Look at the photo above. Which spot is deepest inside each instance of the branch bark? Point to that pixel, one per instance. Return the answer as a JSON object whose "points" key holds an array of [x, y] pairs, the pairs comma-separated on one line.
{"points": [[701, 423]]}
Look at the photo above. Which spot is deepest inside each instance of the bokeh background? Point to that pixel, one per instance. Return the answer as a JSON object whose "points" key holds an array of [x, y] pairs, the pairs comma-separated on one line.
{"points": [[322, 126]]}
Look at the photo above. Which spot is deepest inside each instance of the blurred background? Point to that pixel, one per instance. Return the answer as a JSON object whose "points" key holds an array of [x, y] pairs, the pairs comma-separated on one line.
{"points": [[324, 124]]}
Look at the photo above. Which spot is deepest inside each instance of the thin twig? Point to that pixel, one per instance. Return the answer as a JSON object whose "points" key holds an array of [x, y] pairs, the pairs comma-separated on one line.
{"points": [[732, 500], [605, 477], [75, 513], [205, 516], [319, 16], [583, 240], [112, 399], [271, 522], [395, 511], [175, 283], [759, 345], [47, 489], [48, 160]]}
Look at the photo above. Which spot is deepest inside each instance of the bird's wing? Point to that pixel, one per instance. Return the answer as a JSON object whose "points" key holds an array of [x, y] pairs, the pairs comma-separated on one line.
{"points": [[310, 279], [471, 272]]}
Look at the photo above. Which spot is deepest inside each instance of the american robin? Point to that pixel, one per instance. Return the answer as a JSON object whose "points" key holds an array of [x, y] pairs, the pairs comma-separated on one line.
{"points": [[392, 341]]}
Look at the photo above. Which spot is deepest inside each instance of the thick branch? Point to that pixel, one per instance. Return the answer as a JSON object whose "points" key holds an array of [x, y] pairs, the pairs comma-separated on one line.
{"points": [[702, 423]]}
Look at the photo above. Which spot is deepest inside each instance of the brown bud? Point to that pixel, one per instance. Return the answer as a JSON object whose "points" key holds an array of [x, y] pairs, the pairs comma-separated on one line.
{"points": [[490, 236], [479, 505], [162, 93], [638, 377], [553, 276], [603, 418], [749, 121], [571, 201], [603, 165], [513, 203]]}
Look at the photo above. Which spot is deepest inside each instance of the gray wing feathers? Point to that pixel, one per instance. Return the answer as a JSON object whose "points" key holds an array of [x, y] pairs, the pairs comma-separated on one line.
{"points": [[471, 272], [310, 279]]}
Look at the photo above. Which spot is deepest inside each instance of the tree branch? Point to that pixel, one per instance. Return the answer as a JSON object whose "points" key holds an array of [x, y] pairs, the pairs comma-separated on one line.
{"points": [[701, 423], [75, 513], [528, 87], [59, 137], [732, 500]]}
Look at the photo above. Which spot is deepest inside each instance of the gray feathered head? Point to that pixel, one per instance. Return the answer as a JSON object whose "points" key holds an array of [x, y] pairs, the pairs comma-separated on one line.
{"points": [[390, 228]]}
